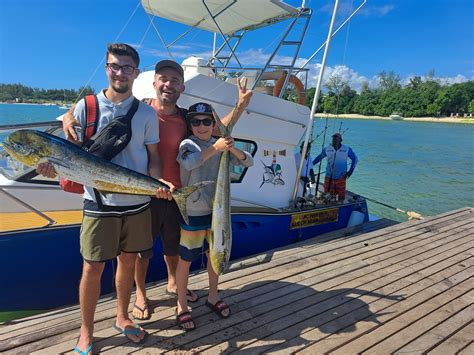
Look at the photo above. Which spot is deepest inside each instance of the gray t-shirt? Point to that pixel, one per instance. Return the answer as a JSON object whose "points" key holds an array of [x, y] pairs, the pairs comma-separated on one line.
{"points": [[193, 170], [134, 156]]}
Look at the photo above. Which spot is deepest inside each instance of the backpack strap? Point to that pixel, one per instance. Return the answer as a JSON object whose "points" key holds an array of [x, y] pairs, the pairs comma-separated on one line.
{"points": [[183, 112], [92, 116], [92, 119], [133, 109], [148, 101]]}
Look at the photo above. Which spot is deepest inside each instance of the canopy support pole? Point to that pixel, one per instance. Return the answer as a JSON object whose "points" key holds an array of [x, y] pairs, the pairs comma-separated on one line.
{"points": [[309, 126]]}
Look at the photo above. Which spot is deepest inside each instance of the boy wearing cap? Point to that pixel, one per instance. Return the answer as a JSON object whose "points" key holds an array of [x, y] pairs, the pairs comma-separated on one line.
{"points": [[336, 168], [199, 160]]}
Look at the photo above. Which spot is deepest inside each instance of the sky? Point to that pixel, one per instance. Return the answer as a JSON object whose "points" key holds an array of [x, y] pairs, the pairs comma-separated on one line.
{"points": [[61, 43]]}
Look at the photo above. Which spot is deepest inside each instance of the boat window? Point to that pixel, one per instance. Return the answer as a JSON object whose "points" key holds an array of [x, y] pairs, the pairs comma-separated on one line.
{"points": [[237, 173]]}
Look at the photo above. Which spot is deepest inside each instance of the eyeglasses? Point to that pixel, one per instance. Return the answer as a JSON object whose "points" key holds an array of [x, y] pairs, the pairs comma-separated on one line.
{"points": [[114, 68], [197, 122]]}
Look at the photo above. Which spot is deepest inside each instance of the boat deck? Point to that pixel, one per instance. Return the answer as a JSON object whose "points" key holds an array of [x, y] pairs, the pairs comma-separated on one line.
{"points": [[27, 220], [377, 288]]}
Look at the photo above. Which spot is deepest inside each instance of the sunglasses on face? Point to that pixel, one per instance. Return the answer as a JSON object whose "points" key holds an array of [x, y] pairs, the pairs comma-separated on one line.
{"points": [[195, 122]]}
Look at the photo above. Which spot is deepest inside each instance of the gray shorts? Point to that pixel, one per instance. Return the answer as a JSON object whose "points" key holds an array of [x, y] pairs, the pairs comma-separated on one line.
{"points": [[165, 218]]}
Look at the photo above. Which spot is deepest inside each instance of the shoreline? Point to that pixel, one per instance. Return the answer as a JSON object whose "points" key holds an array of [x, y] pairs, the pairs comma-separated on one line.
{"points": [[349, 116], [406, 119]]}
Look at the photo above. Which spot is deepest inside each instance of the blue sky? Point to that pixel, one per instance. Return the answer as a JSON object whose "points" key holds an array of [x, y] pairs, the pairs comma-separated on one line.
{"points": [[61, 43]]}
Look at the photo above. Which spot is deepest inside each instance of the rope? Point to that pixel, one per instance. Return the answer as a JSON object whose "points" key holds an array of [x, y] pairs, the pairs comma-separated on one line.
{"points": [[410, 214]]}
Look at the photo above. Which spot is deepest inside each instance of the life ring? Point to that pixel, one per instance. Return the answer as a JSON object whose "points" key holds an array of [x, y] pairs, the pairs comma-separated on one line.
{"points": [[296, 83], [279, 76]]}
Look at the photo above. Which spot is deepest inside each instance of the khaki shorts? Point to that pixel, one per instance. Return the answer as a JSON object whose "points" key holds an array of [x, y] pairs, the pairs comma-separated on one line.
{"points": [[103, 238]]}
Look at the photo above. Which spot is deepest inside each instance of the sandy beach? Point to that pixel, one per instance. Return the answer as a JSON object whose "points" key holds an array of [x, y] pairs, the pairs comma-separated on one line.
{"points": [[410, 119]]}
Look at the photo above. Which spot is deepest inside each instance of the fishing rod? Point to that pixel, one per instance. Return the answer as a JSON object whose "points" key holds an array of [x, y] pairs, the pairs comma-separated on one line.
{"points": [[410, 214], [322, 147]]}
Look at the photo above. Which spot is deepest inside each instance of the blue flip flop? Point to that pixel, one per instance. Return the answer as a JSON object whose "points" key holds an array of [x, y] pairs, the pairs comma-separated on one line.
{"points": [[135, 331], [82, 352]]}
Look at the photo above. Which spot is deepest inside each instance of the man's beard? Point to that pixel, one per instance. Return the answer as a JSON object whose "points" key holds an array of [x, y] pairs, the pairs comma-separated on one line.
{"points": [[171, 99], [121, 89]]}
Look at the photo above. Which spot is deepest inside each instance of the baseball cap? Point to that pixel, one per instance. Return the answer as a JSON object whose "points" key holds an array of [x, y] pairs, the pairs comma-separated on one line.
{"points": [[169, 64], [201, 108]]}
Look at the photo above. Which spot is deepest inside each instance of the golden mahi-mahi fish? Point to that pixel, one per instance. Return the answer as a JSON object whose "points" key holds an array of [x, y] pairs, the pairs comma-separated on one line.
{"points": [[32, 147], [220, 238]]}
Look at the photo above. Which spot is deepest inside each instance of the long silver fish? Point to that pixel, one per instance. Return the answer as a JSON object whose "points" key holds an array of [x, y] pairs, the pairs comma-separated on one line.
{"points": [[220, 238], [32, 147]]}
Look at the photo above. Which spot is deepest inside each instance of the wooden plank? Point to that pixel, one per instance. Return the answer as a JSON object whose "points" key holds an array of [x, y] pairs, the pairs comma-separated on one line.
{"points": [[348, 257], [388, 327], [314, 314], [43, 319], [459, 340], [456, 328], [267, 309], [412, 283], [420, 321], [468, 350]]}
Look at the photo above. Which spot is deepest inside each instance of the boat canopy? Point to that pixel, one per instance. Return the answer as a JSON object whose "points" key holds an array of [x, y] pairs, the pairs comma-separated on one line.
{"points": [[230, 15]]}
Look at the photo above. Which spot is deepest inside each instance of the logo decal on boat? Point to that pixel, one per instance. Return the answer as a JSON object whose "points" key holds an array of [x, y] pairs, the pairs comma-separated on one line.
{"points": [[272, 173]]}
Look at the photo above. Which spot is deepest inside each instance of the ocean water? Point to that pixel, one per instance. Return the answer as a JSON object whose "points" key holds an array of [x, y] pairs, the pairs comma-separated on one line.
{"points": [[415, 166]]}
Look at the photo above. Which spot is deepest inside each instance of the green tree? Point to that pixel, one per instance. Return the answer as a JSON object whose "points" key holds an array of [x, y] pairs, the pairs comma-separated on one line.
{"points": [[470, 107], [389, 81]]}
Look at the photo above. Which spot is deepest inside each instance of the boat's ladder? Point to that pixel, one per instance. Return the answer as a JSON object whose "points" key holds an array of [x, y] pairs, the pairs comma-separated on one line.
{"points": [[222, 60], [303, 17]]}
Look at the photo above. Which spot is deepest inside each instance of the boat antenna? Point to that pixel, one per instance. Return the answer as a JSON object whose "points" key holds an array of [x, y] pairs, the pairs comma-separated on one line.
{"points": [[309, 125]]}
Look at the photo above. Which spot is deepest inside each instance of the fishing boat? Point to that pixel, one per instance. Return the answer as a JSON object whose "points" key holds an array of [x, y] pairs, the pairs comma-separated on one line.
{"points": [[41, 265]]}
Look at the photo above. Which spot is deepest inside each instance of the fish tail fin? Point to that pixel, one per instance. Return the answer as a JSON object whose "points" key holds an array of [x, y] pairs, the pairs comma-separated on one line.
{"points": [[225, 130], [180, 196]]}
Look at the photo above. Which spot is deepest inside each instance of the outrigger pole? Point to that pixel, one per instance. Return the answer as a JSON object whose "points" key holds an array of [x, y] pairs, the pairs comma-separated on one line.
{"points": [[309, 125]]}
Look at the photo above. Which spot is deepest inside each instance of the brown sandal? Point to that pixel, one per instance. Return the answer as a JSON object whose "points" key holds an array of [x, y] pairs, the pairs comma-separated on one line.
{"points": [[183, 318], [218, 308]]}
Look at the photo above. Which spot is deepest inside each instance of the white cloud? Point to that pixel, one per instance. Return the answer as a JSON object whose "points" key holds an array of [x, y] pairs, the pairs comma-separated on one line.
{"points": [[377, 11], [369, 10], [257, 57]]}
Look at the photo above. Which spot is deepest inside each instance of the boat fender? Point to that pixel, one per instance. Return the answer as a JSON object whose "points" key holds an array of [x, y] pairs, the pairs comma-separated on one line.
{"points": [[355, 218]]}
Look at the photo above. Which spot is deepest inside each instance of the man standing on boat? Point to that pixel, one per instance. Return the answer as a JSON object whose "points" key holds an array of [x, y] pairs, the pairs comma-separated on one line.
{"points": [[116, 225], [336, 168], [168, 84]]}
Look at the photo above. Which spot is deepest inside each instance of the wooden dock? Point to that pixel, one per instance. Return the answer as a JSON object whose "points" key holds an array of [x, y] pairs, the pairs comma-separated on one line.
{"points": [[379, 288]]}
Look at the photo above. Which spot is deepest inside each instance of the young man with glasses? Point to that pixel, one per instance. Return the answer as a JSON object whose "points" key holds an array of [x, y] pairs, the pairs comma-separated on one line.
{"points": [[118, 226]]}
